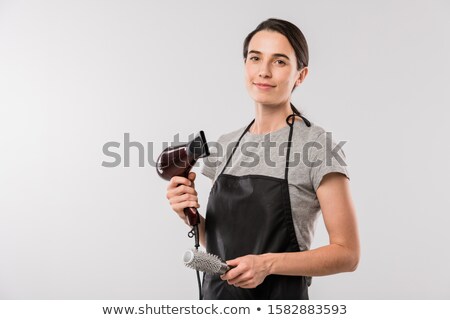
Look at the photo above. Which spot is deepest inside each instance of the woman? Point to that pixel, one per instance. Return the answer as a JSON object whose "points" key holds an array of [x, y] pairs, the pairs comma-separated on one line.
{"points": [[262, 206]]}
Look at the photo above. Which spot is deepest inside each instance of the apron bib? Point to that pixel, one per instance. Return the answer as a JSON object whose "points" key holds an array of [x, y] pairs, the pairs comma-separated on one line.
{"points": [[251, 214]]}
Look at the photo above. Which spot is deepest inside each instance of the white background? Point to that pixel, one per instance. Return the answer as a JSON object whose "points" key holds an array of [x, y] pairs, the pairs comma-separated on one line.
{"points": [[77, 74]]}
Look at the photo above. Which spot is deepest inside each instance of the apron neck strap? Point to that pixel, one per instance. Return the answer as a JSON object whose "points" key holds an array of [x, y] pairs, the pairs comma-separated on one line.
{"points": [[290, 121], [237, 144]]}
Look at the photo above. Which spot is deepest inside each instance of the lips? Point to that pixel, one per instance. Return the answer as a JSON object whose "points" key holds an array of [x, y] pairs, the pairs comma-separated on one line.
{"points": [[264, 85]]}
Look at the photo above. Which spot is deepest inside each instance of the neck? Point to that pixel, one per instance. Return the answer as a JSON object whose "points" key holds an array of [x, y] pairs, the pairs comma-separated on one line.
{"points": [[269, 118]]}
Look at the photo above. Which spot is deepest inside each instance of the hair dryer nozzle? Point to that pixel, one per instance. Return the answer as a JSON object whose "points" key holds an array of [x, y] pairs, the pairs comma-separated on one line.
{"points": [[198, 148]]}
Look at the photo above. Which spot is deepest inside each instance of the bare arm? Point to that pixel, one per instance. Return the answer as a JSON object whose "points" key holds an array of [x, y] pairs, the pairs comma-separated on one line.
{"points": [[340, 255], [342, 252]]}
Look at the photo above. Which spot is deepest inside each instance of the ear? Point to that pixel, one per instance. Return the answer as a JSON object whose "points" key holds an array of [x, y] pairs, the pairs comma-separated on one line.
{"points": [[302, 76]]}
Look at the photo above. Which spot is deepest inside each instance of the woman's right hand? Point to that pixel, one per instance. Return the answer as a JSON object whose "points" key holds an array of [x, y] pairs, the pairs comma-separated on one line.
{"points": [[181, 194]]}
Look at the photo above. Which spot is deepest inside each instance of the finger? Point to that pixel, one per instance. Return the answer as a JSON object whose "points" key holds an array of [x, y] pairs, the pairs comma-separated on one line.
{"points": [[245, 285], [177, 180], [191, 177], [240, 279], [232, 274], [182, 198], [185, 204], [180, 190]]}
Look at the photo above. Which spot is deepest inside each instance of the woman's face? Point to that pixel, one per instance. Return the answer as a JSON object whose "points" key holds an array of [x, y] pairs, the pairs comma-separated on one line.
{"points": [[271, 68]]}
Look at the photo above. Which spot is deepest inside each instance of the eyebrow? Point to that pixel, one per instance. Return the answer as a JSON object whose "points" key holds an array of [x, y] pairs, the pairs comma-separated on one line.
{"points": [[274, 55]]}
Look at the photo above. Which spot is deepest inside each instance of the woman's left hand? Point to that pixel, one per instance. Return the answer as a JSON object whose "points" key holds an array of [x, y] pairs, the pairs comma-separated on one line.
{"points": [[249, 271]]}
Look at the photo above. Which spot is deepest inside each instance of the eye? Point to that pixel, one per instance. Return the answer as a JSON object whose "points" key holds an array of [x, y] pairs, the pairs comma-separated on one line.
{"points": [[254, 58], [280, 62]]}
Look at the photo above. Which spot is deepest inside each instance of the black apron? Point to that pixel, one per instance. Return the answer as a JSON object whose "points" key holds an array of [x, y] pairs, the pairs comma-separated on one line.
{"points": [[251, 214]]}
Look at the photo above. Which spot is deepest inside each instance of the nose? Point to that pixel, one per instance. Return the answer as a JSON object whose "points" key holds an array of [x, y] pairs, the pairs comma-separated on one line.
{"points": [[264, 70]]}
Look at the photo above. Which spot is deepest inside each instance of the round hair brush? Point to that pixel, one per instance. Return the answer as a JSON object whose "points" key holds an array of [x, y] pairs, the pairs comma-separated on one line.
{"points": [[205, 262]]}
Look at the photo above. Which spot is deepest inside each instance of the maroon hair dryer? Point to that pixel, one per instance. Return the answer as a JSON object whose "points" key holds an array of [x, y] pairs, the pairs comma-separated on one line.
{"points": [[178, 161]]}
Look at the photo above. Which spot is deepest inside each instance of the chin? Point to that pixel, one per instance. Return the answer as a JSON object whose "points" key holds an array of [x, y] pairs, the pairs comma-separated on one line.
{"points": [[268, 103], [259, 98], [264, 100]]}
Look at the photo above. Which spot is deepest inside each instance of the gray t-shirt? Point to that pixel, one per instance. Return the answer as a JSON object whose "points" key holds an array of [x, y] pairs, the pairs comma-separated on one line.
{"points": [[313, 155]]}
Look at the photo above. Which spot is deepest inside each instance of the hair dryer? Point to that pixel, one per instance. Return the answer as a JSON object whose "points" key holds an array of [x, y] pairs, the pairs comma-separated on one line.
{"points": [[178, 161]]}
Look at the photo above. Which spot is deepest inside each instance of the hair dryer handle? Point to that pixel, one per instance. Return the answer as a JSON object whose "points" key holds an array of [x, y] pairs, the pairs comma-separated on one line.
{"points": [[193, 218]]}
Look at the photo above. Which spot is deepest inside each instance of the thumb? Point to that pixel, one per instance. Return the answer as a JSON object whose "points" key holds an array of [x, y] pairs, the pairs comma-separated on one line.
{"points": [[192, 176]]}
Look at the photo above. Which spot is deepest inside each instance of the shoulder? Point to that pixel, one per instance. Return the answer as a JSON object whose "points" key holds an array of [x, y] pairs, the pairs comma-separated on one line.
{"points": [[219, 149], [316, 139], [308, 134], [232, 136]]}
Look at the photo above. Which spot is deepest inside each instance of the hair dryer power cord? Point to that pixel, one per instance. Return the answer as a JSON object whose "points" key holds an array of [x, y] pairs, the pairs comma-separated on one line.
{"points": [[194, 233]]}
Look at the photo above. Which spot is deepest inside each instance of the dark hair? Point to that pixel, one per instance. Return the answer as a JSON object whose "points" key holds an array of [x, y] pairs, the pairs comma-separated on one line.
{"points": [[294, 36]]}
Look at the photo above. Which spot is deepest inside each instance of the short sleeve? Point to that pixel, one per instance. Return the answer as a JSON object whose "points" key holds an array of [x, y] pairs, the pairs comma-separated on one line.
{"points": [[210, 164], [326, 156], [206, 169]]}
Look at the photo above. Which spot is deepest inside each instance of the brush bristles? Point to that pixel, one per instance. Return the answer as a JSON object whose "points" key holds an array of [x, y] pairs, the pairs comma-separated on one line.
{"points": [[204, 262]]}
